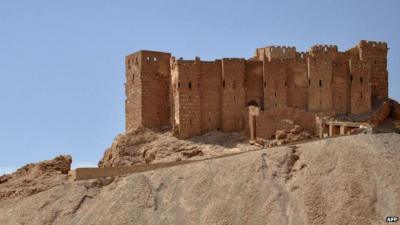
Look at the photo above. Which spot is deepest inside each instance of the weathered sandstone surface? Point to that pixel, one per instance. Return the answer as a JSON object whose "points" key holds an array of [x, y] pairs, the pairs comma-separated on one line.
{"points": [[344, 180], [146, 146], [35, 177]]}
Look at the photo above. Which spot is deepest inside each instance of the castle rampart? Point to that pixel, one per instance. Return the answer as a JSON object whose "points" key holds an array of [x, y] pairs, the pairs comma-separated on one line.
{"points": [[195, 96]]}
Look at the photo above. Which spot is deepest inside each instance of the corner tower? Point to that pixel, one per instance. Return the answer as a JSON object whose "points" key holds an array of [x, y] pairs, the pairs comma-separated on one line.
{"points": [[375, 54], [148, 78]]}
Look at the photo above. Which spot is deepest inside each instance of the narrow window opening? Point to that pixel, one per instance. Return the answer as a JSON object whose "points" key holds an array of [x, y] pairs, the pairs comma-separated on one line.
{"points": [[361, 79], [351, 78], [223, 83], [285, 83], [275, 93], [309, 82], [209, 120], [179, 84], [320, 83], [190, 85]]}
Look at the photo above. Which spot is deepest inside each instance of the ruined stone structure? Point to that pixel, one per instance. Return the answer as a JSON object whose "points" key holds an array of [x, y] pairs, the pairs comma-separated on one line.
{"points": [[195, 96]]}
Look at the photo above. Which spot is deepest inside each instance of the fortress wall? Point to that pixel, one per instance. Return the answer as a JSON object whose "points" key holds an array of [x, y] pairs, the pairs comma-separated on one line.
{"points": [[360, 89], [133, 86], [233, 94], [254, 82], [155, 78], [268, 122], [189, 74], [375, 54], [341, 85], [319, 83], [297, 84], [211, 96], [198, 96], [275, 84]]}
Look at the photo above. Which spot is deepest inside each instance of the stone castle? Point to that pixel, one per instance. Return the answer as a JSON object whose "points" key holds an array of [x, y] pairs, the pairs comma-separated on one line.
{"points": [[195, 96]]}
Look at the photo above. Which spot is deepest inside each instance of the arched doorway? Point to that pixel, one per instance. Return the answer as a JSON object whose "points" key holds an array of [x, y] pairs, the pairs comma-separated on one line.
{"points": [[253, 103]]}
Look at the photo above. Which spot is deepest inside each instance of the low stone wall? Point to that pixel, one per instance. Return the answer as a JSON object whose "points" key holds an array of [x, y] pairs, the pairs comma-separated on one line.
{"points": [[268, 122], [92, 173]]}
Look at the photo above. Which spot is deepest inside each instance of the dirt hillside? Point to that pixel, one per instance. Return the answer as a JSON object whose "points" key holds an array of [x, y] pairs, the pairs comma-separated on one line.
{"points": [[346, 180]]}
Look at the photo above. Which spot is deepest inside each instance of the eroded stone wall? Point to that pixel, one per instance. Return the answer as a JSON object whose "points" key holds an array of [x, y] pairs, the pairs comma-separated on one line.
{"points": [[233, 94], [254, 83], [189, 97], [275, 84], [360, 88], [133, 92], [211, 96], [297, 82], [375, 55], [268, 122]]}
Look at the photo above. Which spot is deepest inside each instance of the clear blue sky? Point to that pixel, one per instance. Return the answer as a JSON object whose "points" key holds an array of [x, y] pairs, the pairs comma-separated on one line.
{"points": [[62, 62]]}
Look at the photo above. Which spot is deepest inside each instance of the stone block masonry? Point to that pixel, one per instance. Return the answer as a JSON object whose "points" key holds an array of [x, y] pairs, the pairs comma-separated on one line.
{"points": [[194, 96]]}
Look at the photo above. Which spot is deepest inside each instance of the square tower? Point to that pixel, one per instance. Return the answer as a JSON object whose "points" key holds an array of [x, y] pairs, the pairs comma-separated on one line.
{"points": [[148, 79]]}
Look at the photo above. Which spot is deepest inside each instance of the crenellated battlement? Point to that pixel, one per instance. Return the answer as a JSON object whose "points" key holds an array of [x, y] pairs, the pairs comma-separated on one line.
{"points": [[373, 44], [301, 56], [233, 59], [281, 49], [324, 49], [275, 52]]}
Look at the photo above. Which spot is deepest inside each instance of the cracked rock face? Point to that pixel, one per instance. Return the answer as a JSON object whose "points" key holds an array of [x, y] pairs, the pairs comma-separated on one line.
{"points": [[345, 180], [145, 146]]}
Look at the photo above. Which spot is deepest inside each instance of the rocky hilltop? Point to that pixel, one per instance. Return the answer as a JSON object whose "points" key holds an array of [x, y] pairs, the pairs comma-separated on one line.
{"points": [[344, 180], [35, 177], [144, 146]]}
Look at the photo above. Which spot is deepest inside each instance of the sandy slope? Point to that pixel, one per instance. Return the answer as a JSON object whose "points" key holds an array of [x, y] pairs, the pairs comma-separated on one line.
{"points": [[347, 180]]}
